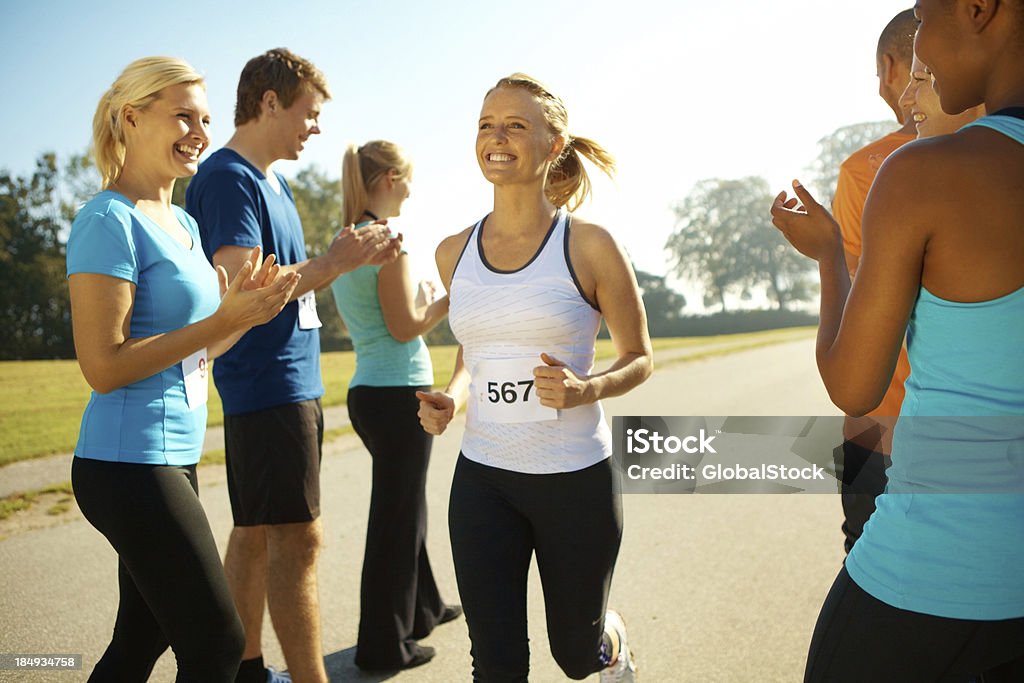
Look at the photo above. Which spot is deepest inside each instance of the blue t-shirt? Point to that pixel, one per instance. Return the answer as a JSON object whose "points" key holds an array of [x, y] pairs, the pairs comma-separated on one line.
{"points": [[277, 363], [381, 360], [148, 421]]}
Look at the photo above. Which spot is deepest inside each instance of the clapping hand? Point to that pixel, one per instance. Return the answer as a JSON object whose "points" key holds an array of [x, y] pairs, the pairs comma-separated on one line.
{"points": [[254, 296], [368, 245], [805, 223]]}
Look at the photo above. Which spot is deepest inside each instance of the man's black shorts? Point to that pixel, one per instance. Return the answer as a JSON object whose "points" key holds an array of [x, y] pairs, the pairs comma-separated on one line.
{"points": [[273, 461]]}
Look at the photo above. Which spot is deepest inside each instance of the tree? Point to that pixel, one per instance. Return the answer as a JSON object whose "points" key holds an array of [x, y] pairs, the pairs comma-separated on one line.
{"points": [[724, 240], [663, 304], [35, 309], [833, 150]]}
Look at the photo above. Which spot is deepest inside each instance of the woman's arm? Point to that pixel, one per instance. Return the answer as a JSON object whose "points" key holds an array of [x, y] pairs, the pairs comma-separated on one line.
{"points": [[406, 321], [437, 408], [607, 278], [861, 328], [101, 311]]}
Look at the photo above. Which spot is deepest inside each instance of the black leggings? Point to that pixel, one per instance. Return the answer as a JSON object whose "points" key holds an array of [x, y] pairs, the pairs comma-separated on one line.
{"points": [[398, 598], [864, 479], [860, 638], [172, 586], [497, 520]]}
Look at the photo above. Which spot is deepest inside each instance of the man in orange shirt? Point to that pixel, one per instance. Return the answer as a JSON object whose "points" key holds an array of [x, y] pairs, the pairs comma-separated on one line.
{"points": [[868, 439]]}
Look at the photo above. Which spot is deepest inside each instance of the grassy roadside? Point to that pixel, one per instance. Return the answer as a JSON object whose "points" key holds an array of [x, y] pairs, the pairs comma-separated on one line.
{"points": [[55, 397], [60, 494], [41, 402]]}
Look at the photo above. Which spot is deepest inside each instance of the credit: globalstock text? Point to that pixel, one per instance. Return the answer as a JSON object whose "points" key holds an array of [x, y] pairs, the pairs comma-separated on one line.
{"points": [[646, 441]]}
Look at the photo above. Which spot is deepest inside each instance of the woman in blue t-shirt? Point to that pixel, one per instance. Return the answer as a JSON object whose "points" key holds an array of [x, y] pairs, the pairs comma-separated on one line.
{"points": [[147, 320], [385, 316]]}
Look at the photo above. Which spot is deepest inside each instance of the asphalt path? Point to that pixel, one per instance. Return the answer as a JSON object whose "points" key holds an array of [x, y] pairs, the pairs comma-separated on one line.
{"points": [[713, 587]]}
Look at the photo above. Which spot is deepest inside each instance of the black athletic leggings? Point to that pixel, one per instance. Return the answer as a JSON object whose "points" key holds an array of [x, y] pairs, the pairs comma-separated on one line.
{"points": [[497, 520], [860, 638], [398, 598], [172, 586]]}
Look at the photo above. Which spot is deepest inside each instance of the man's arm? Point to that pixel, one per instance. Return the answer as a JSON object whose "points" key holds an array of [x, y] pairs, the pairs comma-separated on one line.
{"points": [[349, 250]]}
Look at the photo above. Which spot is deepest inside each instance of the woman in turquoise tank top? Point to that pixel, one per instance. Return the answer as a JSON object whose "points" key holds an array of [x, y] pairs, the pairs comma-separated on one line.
{"points": [[385, 315], [934, 589]]}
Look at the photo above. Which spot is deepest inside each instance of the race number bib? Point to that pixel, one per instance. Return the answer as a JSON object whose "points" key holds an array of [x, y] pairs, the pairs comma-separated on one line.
{"points": [[505, 392], [308, 319], [197, 388]]}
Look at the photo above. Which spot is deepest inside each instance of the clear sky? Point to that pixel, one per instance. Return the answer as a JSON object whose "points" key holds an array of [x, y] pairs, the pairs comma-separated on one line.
{"points": [[678, 91]]}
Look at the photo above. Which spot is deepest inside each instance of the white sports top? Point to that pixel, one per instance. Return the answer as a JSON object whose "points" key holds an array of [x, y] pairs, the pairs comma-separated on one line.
{"points": [[504, 320]]}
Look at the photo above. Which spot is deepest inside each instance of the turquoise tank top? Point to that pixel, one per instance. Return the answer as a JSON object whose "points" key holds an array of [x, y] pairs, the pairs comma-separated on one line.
{"points": [[381, 360], [947, 537]]}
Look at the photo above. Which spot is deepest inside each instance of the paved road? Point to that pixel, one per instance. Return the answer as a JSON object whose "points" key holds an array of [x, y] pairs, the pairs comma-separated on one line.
{"points": [[714, 588]]}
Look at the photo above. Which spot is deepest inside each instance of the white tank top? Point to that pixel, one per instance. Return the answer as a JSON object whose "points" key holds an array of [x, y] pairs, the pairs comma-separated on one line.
{"points": [[504, 320]]}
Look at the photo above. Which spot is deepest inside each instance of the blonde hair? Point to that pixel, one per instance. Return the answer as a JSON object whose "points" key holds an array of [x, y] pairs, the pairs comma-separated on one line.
{"points": [[567, 183], [139, 85], [362, 167]]}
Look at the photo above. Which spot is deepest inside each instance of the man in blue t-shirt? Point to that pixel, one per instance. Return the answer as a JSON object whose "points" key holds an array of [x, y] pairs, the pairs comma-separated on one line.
{"points": [[270, 381]]}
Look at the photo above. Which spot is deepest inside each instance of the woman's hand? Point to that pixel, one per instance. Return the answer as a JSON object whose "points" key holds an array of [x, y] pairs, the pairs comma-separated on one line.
{"points": [[253, 298], [436, 410], [807, 224], [557, 386], [426, 294]]}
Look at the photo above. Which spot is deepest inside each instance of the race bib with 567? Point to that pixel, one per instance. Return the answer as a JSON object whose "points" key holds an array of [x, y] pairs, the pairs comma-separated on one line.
{"points": [[505, 391], [308, 319]]}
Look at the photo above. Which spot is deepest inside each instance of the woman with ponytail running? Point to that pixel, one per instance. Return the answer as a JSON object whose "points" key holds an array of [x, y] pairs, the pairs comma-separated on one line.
{"points": [[529, 285]]}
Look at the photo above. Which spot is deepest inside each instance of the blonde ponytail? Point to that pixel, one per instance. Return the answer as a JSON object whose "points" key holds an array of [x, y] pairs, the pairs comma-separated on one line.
{"points": [[568, 183], [353, 189]]}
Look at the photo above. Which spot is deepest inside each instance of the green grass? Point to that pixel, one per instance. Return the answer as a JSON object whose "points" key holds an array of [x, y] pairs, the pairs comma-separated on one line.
{"points": [[41, 402], [26, 499]]}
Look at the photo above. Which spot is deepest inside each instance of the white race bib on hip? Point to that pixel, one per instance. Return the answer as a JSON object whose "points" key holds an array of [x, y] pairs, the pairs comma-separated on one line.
{"points": [[197, 387], [308, 319], [505, 391]]}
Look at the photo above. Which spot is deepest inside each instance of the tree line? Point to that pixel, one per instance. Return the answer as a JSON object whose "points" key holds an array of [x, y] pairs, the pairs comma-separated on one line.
{"points": [[723, 240]]}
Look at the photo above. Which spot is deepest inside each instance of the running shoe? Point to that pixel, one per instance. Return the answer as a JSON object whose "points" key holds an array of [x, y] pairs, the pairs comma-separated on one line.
{"points": [[623, 669], [275, 676]]}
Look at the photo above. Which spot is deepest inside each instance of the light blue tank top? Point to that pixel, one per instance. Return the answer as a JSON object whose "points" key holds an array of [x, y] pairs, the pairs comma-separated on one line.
{"points": [[381, 360], [947, 537]]}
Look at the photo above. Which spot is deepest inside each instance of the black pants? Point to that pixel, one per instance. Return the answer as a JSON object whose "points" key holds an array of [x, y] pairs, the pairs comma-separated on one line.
{"points": [[864, 479], [860, 638], [172, 586], [497, 520], [398, 599]]}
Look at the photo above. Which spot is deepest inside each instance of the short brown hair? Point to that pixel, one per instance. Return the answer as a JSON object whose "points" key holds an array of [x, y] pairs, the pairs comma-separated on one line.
{"points": [[282, 71], [897, 38]]}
